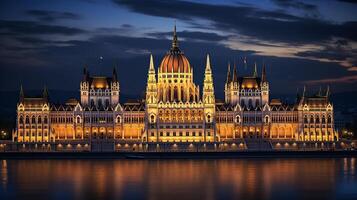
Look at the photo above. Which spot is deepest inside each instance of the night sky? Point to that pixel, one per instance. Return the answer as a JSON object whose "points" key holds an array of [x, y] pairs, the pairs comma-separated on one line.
{"points": [[311, 43]]}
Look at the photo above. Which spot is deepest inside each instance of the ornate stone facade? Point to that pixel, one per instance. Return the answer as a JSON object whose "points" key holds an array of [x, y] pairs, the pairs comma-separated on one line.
{"points": [[174, 111]]}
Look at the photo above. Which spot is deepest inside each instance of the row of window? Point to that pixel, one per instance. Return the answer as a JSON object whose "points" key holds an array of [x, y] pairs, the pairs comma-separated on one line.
{"points": [[180, 134], [27, 134], [180, 126], [33, 120], [317, 119], [61, 119]]}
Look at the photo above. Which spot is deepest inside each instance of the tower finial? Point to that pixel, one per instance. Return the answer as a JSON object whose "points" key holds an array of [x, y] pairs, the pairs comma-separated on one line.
{"points": [[151, 68], [45, 92], [85, 73], [319, 94], [21, 96], [328, 91], [235, 75], [255, 73], [115, 77], [229, 73], [174, 40], [208, 63], [304, 91], [264, 78]]}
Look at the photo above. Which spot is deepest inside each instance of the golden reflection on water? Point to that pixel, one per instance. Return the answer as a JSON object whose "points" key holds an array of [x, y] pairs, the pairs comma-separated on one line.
{"points": [[174, 179]]}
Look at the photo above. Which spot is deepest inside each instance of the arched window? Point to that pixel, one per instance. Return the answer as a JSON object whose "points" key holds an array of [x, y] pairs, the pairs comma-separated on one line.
{"points": [[329, 119], [21, 120], [100, 103], [92, 103], [312, 119], [237, 119], [33, 120], [118, 119], [257, 103], [266, 119], [305, 119], [250, 103], [323, 119], [242, 102], [78, 119], [317, 119], [45, 121], [39, 120], [152, 119], [208, 118], [107, 103]]}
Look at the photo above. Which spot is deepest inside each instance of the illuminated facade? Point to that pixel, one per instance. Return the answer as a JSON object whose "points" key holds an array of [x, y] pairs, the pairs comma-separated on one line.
{"points": [[174, 111]]}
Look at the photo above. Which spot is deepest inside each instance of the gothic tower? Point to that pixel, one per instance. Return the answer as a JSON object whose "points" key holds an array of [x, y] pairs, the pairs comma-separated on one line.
{"points": [[264, 87], [151, 93], [84, 87], [115, 89], [208, 93]]}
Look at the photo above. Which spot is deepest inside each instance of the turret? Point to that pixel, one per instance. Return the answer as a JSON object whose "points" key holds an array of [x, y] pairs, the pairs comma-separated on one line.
{"points": [[208, 93], [151, 95], [151, 87], [208, 90], [227, 88], [264, 85]]}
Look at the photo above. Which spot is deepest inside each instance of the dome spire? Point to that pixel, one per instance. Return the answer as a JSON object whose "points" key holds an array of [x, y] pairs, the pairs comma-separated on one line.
{"points": [[174, 39]]}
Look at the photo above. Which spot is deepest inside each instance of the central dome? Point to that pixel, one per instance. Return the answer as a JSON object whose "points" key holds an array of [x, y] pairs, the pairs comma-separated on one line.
{"points": [[175, 61]]}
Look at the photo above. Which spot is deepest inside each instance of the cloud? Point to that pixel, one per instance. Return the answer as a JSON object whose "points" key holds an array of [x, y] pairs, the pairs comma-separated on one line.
{"points": [[11, 27], [193, 35], [349, 1], [50, 16], [268, 25], [344, 79], [295, 4]]}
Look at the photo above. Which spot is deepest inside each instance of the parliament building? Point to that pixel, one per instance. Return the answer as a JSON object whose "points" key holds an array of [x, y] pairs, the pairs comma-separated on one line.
{"points": [[175, 112]]}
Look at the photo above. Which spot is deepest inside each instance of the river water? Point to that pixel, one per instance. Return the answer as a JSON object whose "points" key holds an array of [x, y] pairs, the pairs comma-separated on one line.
{"points": [[304, 178]]}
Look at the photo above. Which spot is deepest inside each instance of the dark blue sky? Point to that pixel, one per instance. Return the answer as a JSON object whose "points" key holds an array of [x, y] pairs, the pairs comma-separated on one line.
{"points": [[301, 42]]}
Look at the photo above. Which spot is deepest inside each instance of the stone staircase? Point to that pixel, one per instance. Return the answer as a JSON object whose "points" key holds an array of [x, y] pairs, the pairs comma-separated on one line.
{"points": [[258, 144]]}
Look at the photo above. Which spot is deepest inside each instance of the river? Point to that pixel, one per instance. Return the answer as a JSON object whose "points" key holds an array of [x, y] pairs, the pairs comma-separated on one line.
{"points": [[273, 178]]}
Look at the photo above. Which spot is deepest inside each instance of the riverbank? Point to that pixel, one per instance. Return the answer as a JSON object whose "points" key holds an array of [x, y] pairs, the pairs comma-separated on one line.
{"points": [[176, 155]]}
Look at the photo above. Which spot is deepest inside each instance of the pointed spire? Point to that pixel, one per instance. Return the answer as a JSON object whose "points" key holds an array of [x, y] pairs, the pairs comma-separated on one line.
{"points": [[45, 93], [304, 91], [328, 91], [174, 39], [21, 96], [297, 94], [85, 73], [235, 75], [319, 94], [264, 75], [208, 64], [115, 76], [255, 73], [229, 73], [151, 68]]}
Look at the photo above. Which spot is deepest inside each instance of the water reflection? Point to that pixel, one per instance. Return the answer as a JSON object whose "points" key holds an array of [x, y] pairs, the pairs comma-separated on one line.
{"points": [[179, 179]]}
